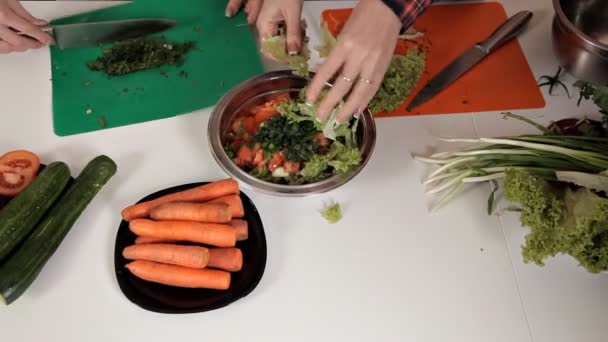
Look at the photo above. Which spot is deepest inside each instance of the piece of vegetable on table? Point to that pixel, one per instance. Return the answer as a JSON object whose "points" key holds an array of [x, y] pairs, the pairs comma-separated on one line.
{"points": [[17, 170], [23, 212], [187, 256], [561, 220], [22, 267], [140, 54], [180, 276], [332, 212], [558, 182], [188, 211], [487, 159], [214, 234], [202, 193]]}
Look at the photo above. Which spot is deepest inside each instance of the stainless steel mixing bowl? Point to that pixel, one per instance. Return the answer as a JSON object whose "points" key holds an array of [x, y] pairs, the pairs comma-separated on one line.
{"points": [[254, 91], [580, 38]]}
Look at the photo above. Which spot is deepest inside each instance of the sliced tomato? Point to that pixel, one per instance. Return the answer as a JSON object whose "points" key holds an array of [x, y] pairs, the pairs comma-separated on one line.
{"points": [[250, 125], [238, 162], [238, 127], [258, 158], [263, 114], [245, 154], [321, 140], [276, 160], [17, 170], [291, 167]]}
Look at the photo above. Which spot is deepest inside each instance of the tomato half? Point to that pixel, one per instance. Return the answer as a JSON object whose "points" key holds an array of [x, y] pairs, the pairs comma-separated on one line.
{"points": [[17, 170]]}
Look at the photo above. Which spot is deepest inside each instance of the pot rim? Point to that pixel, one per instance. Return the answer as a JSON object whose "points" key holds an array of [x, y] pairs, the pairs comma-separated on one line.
{"points": [[563, 20]]}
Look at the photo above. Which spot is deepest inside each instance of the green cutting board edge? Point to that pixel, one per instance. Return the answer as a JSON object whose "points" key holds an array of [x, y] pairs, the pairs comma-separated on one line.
{"points": [[225, 55]]}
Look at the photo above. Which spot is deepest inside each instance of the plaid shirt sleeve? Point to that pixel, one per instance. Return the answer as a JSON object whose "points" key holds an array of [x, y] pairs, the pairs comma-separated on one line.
{"points": [[407, 10]]}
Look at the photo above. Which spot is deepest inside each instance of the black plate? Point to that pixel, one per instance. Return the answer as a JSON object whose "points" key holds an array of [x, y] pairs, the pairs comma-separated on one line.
{"points": [[175, 300]]}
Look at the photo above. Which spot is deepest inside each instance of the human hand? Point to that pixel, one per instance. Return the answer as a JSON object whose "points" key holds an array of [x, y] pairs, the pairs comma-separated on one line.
{"points": [[252, 9], [274, 12], [361, 57], [14, 17]]}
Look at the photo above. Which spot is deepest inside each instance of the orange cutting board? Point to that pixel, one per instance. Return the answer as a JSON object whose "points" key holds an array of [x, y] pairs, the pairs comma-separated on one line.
{"points": [[501, 81]]}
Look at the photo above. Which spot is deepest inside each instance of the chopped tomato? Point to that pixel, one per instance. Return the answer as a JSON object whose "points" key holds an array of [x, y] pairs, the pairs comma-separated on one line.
{"points": [[291, 167], [251, 126], [264, 113], [238, 127], [245, 154], [17, 170], [238, 162], [276, 160], [321, 140], [258, 158]]}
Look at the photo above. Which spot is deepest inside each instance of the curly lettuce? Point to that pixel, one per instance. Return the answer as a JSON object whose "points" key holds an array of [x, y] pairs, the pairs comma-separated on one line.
{"points": [[276, 46], [332, 212], [561, 220], [402, 75]]}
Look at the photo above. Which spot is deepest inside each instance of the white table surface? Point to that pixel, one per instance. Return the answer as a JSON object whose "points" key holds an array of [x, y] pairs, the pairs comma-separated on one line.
{"points": [[389, 271]]}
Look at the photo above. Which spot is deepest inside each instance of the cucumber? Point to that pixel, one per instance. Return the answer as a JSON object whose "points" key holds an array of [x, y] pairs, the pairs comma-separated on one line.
{"points": [[22, 268], [20, 215]]}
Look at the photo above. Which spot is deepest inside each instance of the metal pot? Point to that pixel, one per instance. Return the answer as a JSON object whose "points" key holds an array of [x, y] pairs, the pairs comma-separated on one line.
{"points": [[580, 38], [253, 92]]}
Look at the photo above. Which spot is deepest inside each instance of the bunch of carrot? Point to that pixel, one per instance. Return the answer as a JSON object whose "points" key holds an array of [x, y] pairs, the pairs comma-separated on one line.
{"points": [[207, 218]]}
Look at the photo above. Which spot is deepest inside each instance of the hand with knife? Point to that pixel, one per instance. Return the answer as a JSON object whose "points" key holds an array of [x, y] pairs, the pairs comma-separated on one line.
{"points": [[13, 18]]}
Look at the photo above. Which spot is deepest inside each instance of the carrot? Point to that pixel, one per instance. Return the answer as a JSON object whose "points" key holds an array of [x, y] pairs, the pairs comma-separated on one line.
{"points": [[215, 234], [187, 256], [199, 194], [229, 259], [180, 276], [234, 203], [184, 211], [140, 240], [241, 228]]}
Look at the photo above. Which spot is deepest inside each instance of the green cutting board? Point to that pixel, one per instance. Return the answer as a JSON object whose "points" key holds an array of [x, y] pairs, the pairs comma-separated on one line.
{"points": [[225, 55]]}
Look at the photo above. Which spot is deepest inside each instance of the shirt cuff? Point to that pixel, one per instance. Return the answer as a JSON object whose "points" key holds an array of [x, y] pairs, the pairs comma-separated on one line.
{"points": [[407, 10]]}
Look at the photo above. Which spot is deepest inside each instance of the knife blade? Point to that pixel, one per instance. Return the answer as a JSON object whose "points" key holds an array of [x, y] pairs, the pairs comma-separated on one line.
{"points": [[466, 61], [96, 33]]}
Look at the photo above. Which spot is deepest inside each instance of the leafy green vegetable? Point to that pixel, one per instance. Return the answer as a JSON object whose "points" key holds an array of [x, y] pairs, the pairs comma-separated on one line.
{"points": [[230, 152], [599, 94], [400, 79], [332, 213], [561, 220], [139, 54], [315, 167], [328, 41], [342, 158], [276, 46]]}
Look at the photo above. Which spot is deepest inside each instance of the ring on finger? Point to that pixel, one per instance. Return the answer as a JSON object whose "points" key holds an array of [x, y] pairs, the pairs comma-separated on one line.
{"points": [[365, 80], [347, 79]]}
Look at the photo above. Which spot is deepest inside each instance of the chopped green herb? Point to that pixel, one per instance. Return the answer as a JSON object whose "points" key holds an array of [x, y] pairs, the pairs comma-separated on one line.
{"points": [[139, 54], [125, 90], [197, 28], [102, 121], [332, 213], [86, 84], [183, 73]]}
